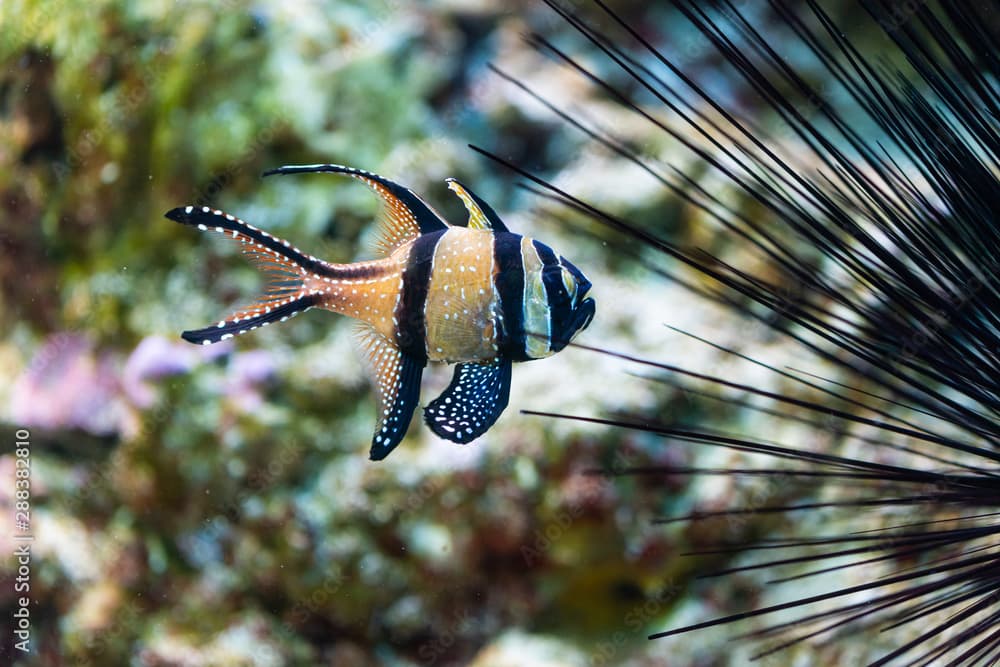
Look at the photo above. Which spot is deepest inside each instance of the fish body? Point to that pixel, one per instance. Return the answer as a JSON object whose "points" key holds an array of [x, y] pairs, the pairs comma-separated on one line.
{"points": [[478, 296]]}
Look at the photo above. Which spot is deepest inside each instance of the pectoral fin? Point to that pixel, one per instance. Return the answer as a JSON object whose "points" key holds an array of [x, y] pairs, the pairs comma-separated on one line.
{"points": [[471, 404], [397, 386]]}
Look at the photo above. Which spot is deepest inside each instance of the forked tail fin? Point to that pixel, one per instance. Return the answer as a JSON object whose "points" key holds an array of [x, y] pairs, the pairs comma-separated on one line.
{"points": [[285, 266]]}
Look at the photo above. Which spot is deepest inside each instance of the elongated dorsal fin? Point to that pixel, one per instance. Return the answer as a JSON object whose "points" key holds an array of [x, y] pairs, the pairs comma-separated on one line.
{"points": [[481, 214], [404, 217]]}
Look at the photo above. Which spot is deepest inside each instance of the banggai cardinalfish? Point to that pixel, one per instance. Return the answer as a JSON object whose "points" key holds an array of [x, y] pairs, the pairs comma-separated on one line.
{"points": [[476, 295]]}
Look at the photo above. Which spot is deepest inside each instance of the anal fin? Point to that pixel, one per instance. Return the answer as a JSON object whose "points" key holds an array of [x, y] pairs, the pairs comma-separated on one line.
{"points": [[472, 403], [397, 386]]}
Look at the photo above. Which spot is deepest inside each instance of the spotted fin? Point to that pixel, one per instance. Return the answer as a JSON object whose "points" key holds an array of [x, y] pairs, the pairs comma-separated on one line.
{"points": [[404, 217], [397, 386], [481, 214], [284, 266], [471, 404], [241, 322]]}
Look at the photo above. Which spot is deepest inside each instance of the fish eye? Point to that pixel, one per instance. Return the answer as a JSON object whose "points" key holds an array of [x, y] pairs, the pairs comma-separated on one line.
{"points": [[569, 282]]}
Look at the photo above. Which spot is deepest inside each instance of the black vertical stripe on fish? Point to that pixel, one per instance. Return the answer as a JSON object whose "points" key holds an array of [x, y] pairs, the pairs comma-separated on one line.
{"points": [[229, 328], [583, 285], [207, 219], [472, 403], [509, 281], [560, 311], [411, 328], [546, 254]]}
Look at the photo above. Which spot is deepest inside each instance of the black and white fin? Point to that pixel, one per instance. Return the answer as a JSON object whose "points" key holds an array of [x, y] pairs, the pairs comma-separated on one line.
{"points": [[481, 214], [256, 243], [472, 403], [241, 322], [404, 217], [284, 266], [397, 386]]}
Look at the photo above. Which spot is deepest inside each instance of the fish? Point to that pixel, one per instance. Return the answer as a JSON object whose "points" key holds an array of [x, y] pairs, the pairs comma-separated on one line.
{"points": [[475, 295]]}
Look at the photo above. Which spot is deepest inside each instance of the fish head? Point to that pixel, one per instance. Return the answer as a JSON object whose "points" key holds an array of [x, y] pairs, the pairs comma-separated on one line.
{"points": [[571, 308]]}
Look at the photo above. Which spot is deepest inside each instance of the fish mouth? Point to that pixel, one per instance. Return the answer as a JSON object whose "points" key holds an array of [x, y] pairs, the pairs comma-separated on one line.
{"points": [[582, 317]]}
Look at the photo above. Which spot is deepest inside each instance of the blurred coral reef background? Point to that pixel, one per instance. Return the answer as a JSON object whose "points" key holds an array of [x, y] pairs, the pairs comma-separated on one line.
{"points": [[215, 506]]}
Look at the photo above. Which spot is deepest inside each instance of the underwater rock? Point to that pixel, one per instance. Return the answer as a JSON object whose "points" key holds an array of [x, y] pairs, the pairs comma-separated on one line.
{"points": [[68, 384], [516, 648], [154, 358]]}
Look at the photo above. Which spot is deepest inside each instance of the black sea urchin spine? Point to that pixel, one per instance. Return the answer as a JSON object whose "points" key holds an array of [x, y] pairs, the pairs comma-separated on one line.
{"points": [[893, 193]]}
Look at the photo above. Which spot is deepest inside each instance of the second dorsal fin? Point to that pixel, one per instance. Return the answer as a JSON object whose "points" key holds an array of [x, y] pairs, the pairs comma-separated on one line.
{"points": [[405, 216], [481, 214]]}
